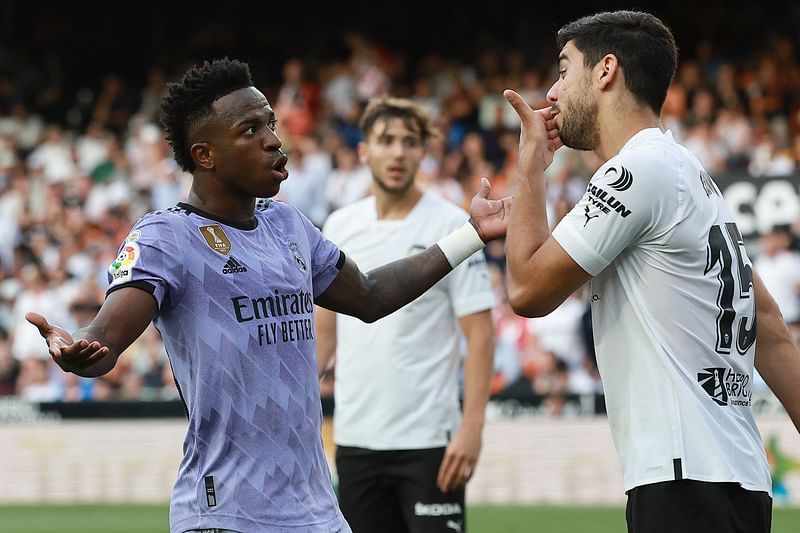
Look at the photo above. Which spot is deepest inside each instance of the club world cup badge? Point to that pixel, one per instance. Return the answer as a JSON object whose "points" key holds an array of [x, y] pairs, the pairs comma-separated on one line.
{"points": [[216, 239], [298, 259]]}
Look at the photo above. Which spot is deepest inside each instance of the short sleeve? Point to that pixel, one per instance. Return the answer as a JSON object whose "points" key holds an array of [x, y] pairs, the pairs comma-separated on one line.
{"points": [[150, 259], [621, 203], [326, 258], [470, 288]]}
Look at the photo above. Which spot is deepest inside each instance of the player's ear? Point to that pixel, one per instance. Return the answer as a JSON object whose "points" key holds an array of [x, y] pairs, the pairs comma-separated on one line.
{"points": [[607, 70], [203, 155], [362, 152]]}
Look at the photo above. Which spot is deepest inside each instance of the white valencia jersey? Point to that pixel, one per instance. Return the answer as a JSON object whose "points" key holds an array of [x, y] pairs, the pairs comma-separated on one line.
{"points": [[673, 310], [396, 384]]}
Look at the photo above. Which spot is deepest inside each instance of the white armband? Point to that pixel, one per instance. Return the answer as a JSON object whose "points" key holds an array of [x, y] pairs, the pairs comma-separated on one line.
{"points": [[460, 244]]}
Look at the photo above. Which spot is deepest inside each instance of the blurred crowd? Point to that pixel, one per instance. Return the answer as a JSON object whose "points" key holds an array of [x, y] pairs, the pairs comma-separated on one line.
{"points": [[73, 179]]}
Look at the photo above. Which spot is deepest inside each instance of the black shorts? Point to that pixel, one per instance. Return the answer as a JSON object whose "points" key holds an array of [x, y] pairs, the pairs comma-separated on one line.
{"points": [[395, 492], [688, 506]]}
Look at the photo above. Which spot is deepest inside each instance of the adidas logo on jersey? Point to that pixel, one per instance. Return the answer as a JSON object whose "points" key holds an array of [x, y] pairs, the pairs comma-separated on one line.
{"points": [[233, 267]]}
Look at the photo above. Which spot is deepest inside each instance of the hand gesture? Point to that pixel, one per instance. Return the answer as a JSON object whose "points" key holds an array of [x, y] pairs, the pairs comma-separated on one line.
{"points": [[539, 136], [69, 354], [490, 217], [460, 458]]}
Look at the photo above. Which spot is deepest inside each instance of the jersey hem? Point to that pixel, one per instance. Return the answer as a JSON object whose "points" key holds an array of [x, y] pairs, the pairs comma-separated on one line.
{"points": [[394, 448], [238, 523], [751, 486]]}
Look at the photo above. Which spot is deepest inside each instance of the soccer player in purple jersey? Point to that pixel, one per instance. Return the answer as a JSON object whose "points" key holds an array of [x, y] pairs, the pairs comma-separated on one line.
{"points": [[230, 283]]}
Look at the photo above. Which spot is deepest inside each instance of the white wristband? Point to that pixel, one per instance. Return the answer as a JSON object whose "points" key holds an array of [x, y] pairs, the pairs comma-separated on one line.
{"points": [[460, 244]]}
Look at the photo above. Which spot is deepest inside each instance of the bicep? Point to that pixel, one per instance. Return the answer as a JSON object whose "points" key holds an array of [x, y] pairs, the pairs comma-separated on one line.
{"points": [[125, 314], [550, 277]]}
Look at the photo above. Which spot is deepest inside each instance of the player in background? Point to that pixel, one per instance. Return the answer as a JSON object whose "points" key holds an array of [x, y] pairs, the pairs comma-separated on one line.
{"points": [[231, 284], [404, 455], [679, 316]]}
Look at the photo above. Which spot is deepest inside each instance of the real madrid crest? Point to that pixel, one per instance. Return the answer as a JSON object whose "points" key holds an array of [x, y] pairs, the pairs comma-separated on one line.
{"points": [[298, 259]]}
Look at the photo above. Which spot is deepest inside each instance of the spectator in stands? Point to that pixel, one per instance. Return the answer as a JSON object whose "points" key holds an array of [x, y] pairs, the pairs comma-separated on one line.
{"points": [[779, 268], [9, 367], [84, 217], [349, 182]]}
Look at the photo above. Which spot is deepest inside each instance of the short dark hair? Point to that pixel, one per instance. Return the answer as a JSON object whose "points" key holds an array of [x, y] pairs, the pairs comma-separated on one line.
{"points": [[644, 46], [188, 102], [409, 111]]}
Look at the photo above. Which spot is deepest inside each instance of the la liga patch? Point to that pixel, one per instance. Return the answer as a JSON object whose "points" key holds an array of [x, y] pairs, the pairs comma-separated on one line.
{"points": [[121, 268]]}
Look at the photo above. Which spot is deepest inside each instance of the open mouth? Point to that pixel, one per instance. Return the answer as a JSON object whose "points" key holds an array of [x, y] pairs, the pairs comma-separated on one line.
{"points": [[280, 163], [279, 166]]}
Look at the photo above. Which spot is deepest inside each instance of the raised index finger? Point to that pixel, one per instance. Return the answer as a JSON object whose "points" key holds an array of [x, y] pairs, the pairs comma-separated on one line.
{"points": [[519, 104]]}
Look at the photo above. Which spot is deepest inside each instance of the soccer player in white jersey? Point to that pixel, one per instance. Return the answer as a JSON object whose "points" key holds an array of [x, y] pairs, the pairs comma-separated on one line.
{"points": [[403, 453], [231, 283], [674, 298]]}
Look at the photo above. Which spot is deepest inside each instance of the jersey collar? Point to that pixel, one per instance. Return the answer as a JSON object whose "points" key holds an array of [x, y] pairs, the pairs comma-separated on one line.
{"points": [[246, 225]]}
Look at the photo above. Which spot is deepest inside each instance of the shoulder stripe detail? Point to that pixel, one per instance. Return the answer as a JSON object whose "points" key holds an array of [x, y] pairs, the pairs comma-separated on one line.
{"points": [[146, 286]]}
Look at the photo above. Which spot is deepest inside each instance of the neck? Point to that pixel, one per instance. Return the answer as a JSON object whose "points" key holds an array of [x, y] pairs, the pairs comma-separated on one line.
{"points": [[618, 125], [221, 203], [396, 206]]}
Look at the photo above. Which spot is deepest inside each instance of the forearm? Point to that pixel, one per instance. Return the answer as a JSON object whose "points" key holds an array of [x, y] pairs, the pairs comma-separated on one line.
{"points": [[477, 381], [478, 366], [102, 366], [326, 338], [777, 357], [372, 296], [778, 362], [396, 284], [528, 228]]}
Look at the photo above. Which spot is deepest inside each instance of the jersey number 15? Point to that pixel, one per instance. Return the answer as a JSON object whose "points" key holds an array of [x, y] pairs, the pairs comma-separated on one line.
{"points": [[723, 251]]}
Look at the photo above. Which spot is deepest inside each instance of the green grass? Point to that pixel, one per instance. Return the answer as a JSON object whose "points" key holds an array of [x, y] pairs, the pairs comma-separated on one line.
{"points": [[481, 519]]}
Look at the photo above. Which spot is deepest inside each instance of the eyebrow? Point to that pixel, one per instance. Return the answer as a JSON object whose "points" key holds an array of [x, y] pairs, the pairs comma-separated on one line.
{"points": [[562, 57], [252, 118]]}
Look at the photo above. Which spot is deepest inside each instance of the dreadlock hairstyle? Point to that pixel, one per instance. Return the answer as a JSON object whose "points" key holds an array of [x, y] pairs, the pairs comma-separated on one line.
{"points": [[188, 102]]}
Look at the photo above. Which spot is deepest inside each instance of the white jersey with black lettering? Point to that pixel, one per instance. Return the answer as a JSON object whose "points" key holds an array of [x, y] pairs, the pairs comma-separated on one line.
{"points": [[396, 383], [673, 310]]}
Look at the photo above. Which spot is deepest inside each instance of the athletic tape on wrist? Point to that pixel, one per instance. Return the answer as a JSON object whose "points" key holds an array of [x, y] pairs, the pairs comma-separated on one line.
{"points": [[460, 244]]}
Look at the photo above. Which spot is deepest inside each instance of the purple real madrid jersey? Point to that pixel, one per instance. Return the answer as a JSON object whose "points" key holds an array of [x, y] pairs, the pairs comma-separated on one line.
{"points": [[235, 309]]}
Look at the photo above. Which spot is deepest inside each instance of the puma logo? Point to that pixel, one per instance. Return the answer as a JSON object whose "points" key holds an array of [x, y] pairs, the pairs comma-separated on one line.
{"points": [[589, 217], [455, 526]]}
